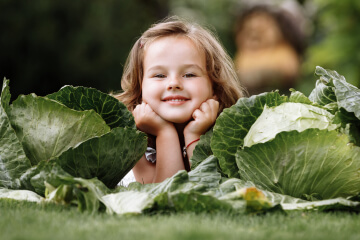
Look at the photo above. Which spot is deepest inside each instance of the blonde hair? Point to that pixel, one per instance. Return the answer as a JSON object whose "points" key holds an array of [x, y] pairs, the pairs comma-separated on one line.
{"points": [[220, 67]]}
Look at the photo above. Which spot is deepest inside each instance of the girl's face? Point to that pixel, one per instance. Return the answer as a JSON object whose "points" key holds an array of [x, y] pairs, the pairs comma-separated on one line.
{"points": [[175, 81]]}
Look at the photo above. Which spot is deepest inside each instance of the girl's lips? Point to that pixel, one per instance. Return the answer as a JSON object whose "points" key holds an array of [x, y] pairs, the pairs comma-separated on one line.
{"points": [[176, 100]]}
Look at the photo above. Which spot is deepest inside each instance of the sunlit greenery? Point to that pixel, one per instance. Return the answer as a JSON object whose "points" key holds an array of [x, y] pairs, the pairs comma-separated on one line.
{"points": [[219, 16], [335, 39]]}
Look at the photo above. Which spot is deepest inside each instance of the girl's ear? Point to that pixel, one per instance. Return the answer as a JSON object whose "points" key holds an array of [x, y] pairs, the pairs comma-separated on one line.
{"points": [[215, 97]]}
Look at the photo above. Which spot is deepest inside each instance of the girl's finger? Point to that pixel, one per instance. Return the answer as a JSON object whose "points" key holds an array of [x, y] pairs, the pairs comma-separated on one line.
{"points": [[196, 114], [136, 109], [214, 105], [204, 107]]}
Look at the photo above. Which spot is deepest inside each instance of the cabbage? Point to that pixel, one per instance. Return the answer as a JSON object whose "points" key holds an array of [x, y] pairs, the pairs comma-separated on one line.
{"points": [[86, 133], [302, 147], [265, 153]]}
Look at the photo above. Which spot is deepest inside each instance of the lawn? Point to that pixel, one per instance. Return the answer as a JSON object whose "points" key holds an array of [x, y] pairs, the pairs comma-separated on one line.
{"points": [[25, 220]]}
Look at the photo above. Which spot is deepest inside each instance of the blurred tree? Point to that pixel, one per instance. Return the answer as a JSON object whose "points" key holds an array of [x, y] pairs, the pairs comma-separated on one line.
{"points": [[217, 15], [335, 40], [46, 44]]}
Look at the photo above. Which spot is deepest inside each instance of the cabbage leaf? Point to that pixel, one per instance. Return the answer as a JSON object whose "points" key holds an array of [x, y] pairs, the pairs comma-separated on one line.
{"points": [[47, 128], [114, 112], [13, 161], [42, 138], [313, 163], [287, 117], [233, 124]]}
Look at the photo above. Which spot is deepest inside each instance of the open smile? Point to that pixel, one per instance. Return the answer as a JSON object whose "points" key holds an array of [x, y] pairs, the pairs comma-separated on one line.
{"points": [[175, 99]]}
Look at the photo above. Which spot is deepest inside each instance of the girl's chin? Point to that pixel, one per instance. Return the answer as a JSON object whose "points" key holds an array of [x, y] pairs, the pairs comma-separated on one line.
{"points": [[179, 120]]}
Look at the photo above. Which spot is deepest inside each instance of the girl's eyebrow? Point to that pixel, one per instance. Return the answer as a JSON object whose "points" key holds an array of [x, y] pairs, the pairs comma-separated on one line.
{"points": [[192, 65], [157, 67], [198, 67]]}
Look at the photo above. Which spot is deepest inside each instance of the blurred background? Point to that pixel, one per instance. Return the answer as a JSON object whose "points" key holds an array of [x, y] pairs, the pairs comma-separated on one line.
{"points": [[46, 44]]}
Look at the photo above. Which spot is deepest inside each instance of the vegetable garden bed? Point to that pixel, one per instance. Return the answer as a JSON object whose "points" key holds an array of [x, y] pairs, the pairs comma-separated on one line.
{"points": [[266, 153]]}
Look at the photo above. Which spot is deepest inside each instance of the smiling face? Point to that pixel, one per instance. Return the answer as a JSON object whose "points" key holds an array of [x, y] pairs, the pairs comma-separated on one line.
{"points": [[175, 81]]}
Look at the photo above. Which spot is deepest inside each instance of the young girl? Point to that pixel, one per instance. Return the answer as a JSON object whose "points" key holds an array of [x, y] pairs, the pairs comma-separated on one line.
{"points": [[176, 81]]}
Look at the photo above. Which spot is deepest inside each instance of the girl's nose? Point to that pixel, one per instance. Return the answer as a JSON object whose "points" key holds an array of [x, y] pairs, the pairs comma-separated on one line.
{"points": [[174, 83]]}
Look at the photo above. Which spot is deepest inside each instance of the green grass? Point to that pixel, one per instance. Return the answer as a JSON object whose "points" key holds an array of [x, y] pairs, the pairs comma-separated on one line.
{"points": [[25, 220]]}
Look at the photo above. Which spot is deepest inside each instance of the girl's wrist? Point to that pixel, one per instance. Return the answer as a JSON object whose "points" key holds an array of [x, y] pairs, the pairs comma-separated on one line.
{"points": [[188, 145], [190, 138], [167, 130]]}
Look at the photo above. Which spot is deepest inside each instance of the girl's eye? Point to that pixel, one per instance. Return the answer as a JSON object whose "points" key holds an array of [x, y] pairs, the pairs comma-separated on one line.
{"points": [[159, 76], [189, 75]]}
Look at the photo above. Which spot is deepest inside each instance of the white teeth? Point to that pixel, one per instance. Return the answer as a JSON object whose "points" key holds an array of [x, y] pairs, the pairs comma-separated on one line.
{"points": [[176, 100]]}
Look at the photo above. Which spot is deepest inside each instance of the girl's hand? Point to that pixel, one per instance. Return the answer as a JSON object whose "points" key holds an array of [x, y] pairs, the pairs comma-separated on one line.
{"points": [[168, 153], [148, 121], [204, 117]]}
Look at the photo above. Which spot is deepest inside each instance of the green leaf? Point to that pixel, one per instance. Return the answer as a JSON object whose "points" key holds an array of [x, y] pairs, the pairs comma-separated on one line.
{"points": [[342, 100], [206, 173], [129, 202], [232, 187], [348, 97], [45, 172], [133, 202], [334, 88], [314, 162], [233, 124], [202, 149], [327, 76], [324, 205], [108, 157], [138, 198], [203, 178], [322, 94], [13, 162], [20, 195], [47, 128], [86, 194], [289, 203], [287, 117], [5, 95], [180, 182], [109, 108], [299, 97], [344, 117], [50, 180]]}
